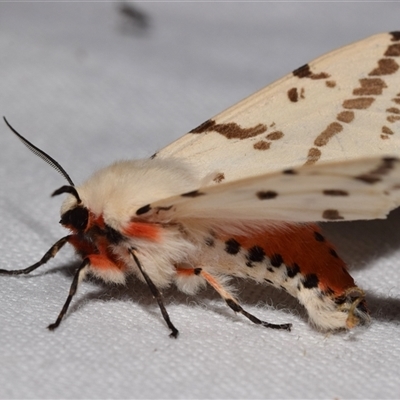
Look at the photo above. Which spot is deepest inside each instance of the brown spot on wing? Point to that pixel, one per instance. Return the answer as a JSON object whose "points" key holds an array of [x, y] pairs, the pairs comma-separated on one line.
{"points": [[305, 72], [395, 36], [345, 116], [313, 156], [234, 131], [368, 178], [393, 50], [276, 135], [335, 192], [386, 66], [331, 215], [331, 130], [393, 118], [266, 194], [371, 86], [204, 127], [375, 175], [262, 145], [289, 171], [321, 75], [330, 84], [230, 130], [293, 95], [386, 166], [193, 193], [387, 130], [360, 103], [219, 178]]}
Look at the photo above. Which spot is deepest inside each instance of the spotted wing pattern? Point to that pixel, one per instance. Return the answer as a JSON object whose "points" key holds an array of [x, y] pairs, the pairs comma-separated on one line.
{"points": [[342, 106]]}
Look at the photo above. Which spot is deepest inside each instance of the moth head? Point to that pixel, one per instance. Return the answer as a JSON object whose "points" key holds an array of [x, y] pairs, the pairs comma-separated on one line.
{"points": [[74, 215]]}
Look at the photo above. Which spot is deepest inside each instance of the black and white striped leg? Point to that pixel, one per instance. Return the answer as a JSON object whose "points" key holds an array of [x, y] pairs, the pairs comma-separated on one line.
{"points": [[234, 304], [79, 275], [157, 295], [49, 254]]}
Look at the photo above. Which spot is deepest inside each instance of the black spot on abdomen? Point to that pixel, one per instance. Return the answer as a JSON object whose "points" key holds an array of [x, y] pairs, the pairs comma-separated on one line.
{"points": [[292, 270], [232, 246], [256, 254], [310, 281], [319, 237], [276, 260]]}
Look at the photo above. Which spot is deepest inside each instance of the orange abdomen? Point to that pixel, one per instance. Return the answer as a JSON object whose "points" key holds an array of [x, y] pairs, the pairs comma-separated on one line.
{"points": [[302, 249]]}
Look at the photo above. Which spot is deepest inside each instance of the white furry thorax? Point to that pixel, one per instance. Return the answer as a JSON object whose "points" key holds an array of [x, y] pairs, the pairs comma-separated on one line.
{"points": [[117, 191]]}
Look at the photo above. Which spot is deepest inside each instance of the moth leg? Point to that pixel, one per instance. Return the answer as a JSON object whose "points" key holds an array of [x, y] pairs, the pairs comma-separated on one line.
{"points": [[49, 254], [79, 275], [229, 299], [157, 295]]}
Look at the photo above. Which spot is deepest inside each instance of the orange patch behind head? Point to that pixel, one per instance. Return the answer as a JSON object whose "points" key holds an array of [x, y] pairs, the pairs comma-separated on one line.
{"points": [[142, 230]]}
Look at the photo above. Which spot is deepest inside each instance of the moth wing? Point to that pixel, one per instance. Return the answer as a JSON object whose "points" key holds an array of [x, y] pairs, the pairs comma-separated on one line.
{"points": [[343, 105], [351, 190]]}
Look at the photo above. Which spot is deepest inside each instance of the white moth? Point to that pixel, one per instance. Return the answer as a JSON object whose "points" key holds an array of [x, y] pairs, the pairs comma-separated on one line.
{"points": [[240, 194]]}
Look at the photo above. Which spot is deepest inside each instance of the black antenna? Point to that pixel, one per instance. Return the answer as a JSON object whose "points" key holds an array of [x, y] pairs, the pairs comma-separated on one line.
{"points": [[70, 190], [40, 153]]}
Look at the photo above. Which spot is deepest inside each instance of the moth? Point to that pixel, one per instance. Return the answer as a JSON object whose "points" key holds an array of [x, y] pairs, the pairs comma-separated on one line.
{"points": [[241, 194]]}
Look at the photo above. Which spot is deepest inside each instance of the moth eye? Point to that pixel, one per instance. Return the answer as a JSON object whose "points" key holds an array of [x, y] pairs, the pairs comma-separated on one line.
{"points": [[77, 218]]}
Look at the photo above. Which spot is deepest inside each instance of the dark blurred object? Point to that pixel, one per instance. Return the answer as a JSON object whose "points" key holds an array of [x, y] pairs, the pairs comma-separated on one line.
{"points": [[135, 20]]}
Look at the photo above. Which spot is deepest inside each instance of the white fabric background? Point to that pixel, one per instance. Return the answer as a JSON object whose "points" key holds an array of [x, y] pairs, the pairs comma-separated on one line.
{"points": [[82, 85]]}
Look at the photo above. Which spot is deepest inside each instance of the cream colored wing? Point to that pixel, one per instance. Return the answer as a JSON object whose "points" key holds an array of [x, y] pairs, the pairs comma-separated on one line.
{"points": [[342, 106], [366, 188]]}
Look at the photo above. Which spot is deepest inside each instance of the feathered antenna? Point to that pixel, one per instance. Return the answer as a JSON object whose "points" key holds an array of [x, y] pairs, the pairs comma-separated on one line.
{"points": [[40, 153]]}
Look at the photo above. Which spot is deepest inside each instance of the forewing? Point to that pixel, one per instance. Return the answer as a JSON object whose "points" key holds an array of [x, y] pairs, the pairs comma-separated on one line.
{"points": [[342, 106]]}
